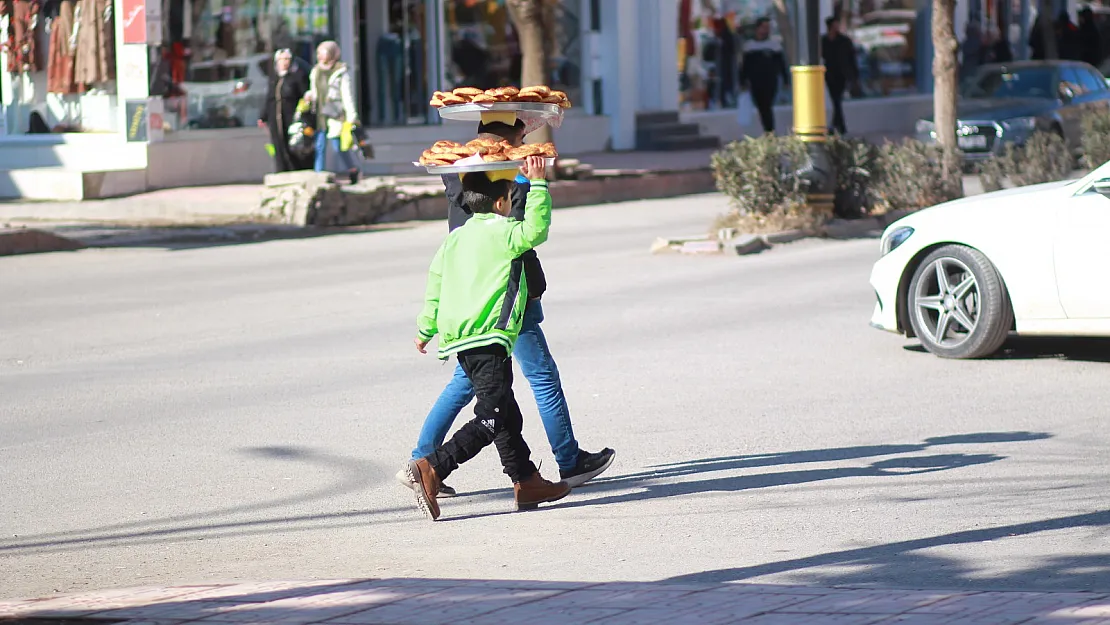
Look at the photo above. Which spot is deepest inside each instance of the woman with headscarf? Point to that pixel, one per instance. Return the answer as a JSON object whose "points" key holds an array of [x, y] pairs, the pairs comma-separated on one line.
{"points": [[288, 84], [334, 101]]}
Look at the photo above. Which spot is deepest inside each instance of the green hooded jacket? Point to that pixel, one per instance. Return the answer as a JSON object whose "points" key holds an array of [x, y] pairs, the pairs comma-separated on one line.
{"points": [[476, 288]]}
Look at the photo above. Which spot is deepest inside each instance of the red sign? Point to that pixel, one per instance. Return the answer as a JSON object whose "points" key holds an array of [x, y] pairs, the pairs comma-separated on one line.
{"points": [[134, 21]]}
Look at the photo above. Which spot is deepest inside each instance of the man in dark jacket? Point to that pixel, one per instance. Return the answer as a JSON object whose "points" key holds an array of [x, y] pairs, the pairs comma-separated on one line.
{"points": [[1090, 43], [576, 466], [838, 52], [763, 65]]}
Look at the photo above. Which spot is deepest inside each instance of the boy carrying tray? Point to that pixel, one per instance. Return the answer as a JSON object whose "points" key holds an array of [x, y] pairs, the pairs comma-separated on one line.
{"points": [[475, 301]]}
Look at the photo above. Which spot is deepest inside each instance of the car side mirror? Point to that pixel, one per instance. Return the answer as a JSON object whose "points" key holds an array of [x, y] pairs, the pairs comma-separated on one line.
{"points": [[1102, 187]]}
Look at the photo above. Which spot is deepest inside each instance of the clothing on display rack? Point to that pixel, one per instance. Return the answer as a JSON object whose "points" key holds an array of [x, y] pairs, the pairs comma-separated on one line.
{"points": [[418, 95], [24, 22], [63, 50], [96, 56], [390, 63]]}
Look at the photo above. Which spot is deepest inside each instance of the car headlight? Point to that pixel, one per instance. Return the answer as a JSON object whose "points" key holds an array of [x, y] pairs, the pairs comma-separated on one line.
{"points": [[925, 127], [894, 238], [1020, 125]]}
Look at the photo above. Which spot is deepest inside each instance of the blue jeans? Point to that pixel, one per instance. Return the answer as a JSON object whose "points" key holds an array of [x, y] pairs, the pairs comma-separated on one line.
{"points": [[543, 376], [322, 151]]}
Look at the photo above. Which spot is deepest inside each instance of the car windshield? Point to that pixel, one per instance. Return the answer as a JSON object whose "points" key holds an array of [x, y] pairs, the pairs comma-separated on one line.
{"points": [[1005, 83]]}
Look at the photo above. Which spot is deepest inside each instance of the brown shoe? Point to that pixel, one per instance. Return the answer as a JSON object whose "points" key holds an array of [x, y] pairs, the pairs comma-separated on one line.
{"points": [[535, 490], [425, 487]]}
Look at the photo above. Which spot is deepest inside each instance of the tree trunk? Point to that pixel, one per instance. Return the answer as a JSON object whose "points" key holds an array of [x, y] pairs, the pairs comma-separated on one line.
{"points": [[1048, 30], [945, 72], [531, 20], [786, 29]]}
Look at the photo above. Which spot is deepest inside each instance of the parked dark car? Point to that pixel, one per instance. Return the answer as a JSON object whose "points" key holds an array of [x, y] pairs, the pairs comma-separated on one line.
{"points": [[1007, 102]]}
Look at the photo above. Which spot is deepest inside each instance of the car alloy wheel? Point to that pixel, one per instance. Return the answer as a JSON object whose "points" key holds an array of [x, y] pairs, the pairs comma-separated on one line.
{"points": [[958, 304], [946, 302]]}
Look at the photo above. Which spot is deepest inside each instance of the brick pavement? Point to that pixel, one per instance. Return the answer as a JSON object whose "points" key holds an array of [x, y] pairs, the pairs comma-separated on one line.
{"points": [[492, 602]]}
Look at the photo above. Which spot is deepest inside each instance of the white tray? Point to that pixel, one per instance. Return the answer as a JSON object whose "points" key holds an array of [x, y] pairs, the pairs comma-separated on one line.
{"points": [[464, 169], [534, 114]]}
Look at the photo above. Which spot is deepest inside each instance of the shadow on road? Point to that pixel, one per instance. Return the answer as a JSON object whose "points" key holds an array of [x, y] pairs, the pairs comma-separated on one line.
{"points": [[656, 482], [904, 564], [659, 481], [351, 476], [1037, 348]]}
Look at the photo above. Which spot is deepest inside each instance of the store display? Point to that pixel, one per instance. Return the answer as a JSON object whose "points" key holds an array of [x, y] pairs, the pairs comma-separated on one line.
{"points": [[24, 55], [96, 48], [61, 65]]}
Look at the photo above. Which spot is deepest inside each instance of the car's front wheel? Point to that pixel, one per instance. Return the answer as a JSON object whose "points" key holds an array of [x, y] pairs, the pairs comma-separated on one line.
{"points": [[958, 304]]}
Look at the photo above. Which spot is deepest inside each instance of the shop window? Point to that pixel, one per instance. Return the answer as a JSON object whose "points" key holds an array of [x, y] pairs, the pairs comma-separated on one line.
{"points": [[713, 35], [484, 49], [213, 68], [59, 58]]}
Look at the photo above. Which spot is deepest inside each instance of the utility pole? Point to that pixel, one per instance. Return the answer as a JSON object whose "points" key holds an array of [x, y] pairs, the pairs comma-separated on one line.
{"points": [[808, 86]]}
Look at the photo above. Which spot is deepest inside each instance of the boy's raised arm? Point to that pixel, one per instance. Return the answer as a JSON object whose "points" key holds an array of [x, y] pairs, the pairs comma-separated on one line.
{"points": [[426, 325], [531, 232]]}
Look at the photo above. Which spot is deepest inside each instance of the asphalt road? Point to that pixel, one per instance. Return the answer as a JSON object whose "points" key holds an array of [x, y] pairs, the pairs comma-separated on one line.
{"points": [[237, 412]]}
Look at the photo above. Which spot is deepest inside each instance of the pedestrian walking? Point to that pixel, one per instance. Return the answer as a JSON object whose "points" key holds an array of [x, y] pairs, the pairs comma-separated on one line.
{"points": [[838, 52], [333, 99], [474, 301], [762, 66], [971, 49], [576, 466], [1090, 42], [288, 84]]}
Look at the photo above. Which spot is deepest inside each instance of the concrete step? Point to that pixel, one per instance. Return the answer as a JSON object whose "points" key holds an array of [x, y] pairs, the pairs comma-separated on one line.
{"points": [[58, 183], [696, 142], [647, 134], [656, 117]]}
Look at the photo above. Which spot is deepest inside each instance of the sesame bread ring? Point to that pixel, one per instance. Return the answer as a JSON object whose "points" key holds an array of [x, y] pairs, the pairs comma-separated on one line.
{"points": [[541, 90], [483, 98], [499, 157], [451, 99], [468, 92], [528, 97]]}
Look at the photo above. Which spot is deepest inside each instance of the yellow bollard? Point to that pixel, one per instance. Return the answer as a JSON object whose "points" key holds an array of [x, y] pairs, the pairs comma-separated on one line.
{"points": [[808, 84]]}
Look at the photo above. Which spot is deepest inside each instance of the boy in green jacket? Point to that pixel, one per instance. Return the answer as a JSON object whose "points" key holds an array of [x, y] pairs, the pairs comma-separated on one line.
{"points": [[475, 301]]}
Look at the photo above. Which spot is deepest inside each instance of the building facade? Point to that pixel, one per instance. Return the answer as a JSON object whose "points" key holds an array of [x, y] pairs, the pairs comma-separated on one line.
{"points": [[176, 95]]}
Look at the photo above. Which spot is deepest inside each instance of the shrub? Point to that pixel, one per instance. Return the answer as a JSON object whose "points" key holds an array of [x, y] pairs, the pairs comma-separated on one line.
{"points": [[759, 173], [764, 177], [857, 165], [911, 177], [1096, 138], [1043, 158]]}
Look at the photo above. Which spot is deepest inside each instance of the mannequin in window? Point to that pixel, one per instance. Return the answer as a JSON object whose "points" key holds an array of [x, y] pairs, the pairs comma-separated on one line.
{"points": [[389, 57]]}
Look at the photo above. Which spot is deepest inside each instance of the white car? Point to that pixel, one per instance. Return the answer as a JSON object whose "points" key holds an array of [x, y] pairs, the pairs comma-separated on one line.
{"points": [[225, 93], [961, 276]]}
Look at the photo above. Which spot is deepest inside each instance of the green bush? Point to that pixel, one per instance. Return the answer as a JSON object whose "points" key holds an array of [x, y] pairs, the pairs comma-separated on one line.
{"points": [[1043, 158], [857, 166], [1096, 138], [911, 177], [764, 177], [759, 173]]}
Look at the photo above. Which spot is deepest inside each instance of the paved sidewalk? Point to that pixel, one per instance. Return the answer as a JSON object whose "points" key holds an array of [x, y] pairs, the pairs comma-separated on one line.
{"points": [[490, 602], [216, 205]]}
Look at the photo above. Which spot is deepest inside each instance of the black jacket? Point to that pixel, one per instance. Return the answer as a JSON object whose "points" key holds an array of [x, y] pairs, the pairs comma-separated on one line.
{"points": [[763, 65], [839, 55], [457, 214]]}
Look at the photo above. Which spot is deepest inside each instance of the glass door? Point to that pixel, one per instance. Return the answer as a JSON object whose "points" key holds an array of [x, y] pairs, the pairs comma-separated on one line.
{"points": [[394, 45]]}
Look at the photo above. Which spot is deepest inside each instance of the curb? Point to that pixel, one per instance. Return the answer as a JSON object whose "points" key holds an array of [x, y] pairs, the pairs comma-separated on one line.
{"points": [[31, 241], [747, 244], [573, 193]]}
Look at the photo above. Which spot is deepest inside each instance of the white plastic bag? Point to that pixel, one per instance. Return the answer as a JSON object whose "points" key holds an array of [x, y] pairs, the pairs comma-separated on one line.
{"points": [[745, 110]]}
